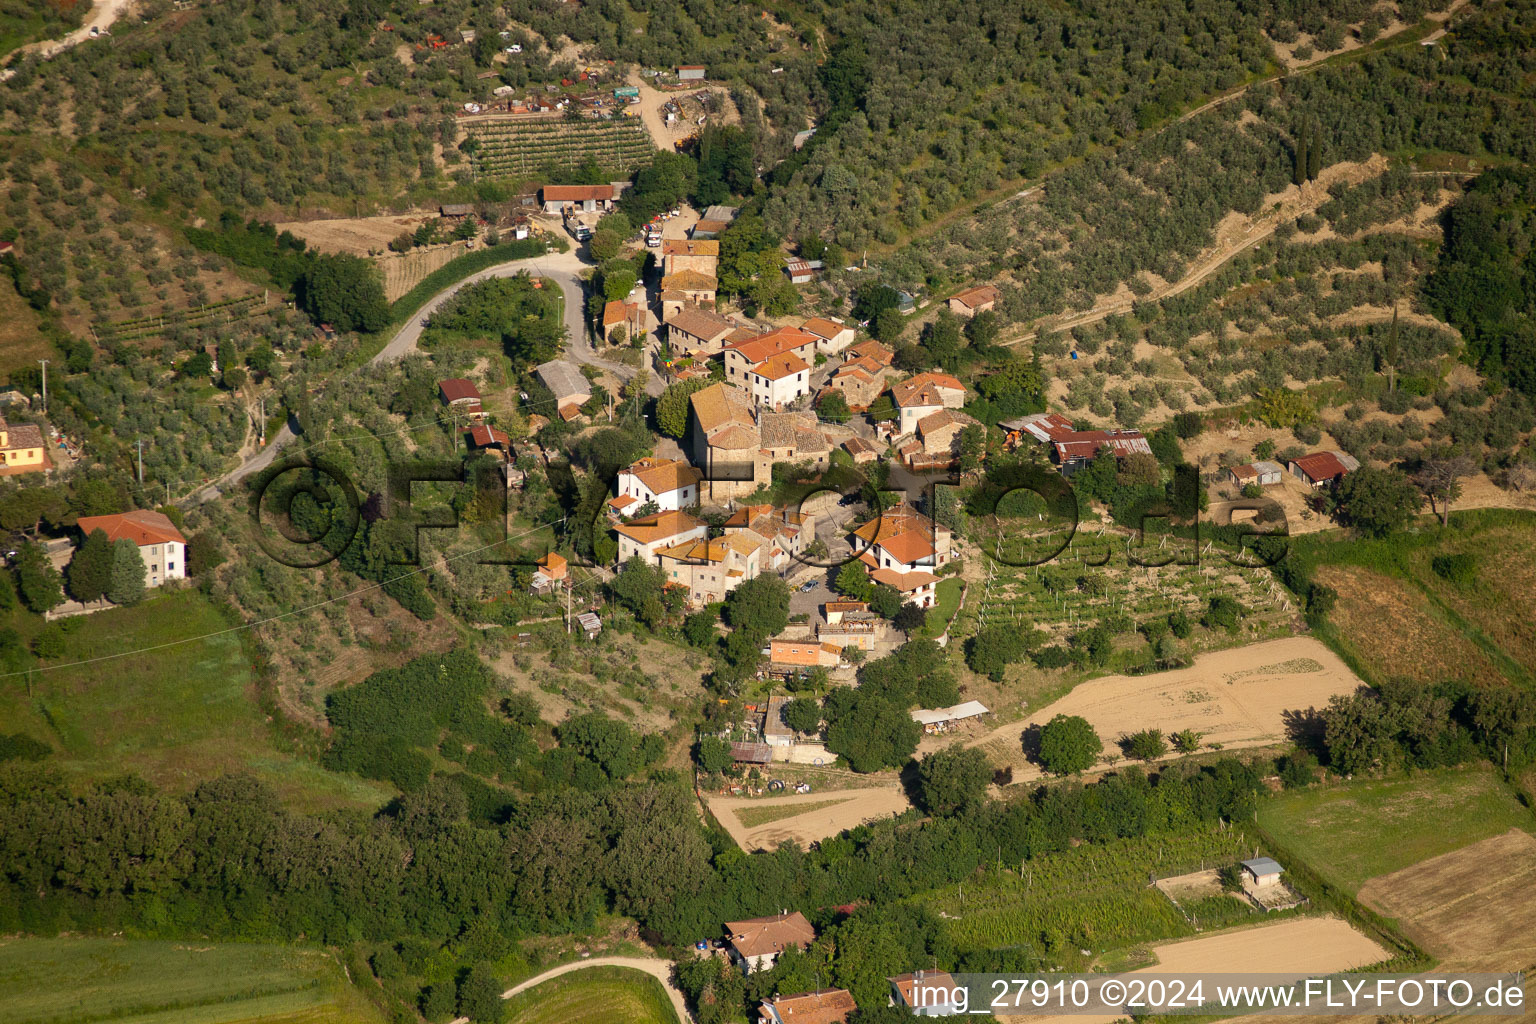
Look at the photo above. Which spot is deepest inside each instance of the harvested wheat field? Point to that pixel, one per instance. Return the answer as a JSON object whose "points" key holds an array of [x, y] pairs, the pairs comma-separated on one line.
{"points": [[1238, 698], [359, 236], [827, 814], [1299, 947], [1476, 904]]}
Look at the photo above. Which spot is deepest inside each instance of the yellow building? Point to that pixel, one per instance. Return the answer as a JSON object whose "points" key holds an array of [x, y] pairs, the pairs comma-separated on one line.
{"points": [[22, 449]]}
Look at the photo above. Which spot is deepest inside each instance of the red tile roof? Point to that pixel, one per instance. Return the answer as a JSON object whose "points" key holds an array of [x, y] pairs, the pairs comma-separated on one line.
{"points": [[824, 1006], [577, 193], [142, 527], [771, 935], [978, 296]]}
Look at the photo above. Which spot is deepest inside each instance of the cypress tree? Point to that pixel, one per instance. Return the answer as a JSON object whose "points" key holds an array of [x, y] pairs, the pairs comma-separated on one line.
{"points": [[1299, 169], [1315, 152], [90, 570], [127, 580]]}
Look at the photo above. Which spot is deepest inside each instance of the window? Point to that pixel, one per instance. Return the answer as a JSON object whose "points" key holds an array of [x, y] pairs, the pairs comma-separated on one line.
{"points": [[170, 566]]}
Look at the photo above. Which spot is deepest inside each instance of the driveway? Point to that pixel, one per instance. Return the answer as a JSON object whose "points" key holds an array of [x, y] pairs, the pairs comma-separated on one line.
{"points": [[657, 968]]}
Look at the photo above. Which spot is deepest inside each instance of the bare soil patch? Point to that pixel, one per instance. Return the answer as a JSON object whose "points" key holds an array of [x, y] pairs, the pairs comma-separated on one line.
{"points": [[1238, 698], [1476, 903], [823, 816]]}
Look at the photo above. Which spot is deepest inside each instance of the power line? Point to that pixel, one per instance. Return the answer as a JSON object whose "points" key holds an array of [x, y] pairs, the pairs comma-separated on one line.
{"points": [[283, 615]]}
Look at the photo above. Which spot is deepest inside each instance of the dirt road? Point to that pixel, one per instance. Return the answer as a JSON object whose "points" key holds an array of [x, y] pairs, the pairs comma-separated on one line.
{"points": [[657, 968], [853, 808], [103, 14], [1238, 698]]}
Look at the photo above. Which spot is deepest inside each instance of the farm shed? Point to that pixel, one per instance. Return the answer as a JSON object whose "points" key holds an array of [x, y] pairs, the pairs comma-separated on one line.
{"points": [[690, 72], [1261, 872], [456, 211], [1323, 468], [940, 719], [1265, 474], [751, 753]]}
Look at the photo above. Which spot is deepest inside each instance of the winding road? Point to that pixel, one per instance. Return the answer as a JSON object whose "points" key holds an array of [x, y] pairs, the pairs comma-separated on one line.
{"points": [[564, 269], [659, 969], [102, 14]]}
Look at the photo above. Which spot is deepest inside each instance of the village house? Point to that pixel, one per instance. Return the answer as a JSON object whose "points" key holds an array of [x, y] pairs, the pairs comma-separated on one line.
{"points": [[698, 332], [646, 535], [1323, 469], [973, 300], [823, 1006], [671, 484], [831, 336], [790, 437], [915, 587], [923, 395], [927, 994], [679, 254], [709, 569], [904, 540], [782, 531], [939, 433], [794, 656], [160, 544], [22, 449], [756, 943], [462, 397], [577, 198], [857, 627], [862, 452], [724, 440], [569, 386], [862, 375], [552, 573], [779, 381], [1263, 473], [684, 287], [620, 314], [742, 356]]}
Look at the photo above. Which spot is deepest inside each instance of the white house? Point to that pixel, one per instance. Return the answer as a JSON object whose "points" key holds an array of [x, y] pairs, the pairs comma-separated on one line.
{"points": [[646, 535], [757, 943], [671, 483], [927, 994], [831, 337], [779, 380], [161, 545], [918, 397], [905, 541]]}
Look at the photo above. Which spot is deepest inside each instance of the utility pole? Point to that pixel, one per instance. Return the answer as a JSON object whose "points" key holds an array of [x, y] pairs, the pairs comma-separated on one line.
{"points": [[45, 385], [263, 424], [140, 444]]}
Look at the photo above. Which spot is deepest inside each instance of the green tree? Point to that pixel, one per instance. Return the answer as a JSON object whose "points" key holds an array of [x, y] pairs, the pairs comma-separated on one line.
{"points": [[868, 730], [1315, 151], [40, 585], [712, 753], [1377, 501], [759, 606], [672, 406], [1145, 745], [1068, 745], [480, 996], [1299, 157], [853, 581], [953, 780], [1187, 741], [90, 570], [126, 585], [1358, 731], [605, 245], [803, 714], [833, 407], [344, 291]]}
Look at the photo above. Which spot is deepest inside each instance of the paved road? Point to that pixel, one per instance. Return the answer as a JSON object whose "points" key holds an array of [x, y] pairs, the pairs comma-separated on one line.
{"points": [[563, 268], [659, 969]]}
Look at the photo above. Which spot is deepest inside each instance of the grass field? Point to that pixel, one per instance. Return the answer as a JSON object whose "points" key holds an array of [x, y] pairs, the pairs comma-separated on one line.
{"points": [[116, 981], [751, 817], [1397, 618], [176, 715], [1354, 832], [598, 995], [21, 343]]}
